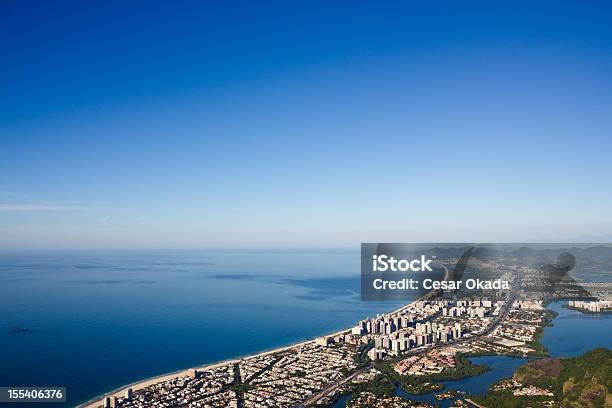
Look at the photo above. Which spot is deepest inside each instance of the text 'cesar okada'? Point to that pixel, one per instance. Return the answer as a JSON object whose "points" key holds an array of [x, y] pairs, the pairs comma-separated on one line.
{"points": [[384, 263]]}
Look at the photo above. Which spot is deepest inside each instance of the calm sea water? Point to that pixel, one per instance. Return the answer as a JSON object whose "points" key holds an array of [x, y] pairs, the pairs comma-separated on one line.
{"points": [[501, 367], [96, 321], [574, 333]]}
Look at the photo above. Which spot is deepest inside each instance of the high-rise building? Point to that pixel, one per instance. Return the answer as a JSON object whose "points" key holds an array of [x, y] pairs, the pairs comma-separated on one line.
{"points": [[112, 402], [458, 328], [376, 354], [386, 342], [322, 341], [378, 342]]}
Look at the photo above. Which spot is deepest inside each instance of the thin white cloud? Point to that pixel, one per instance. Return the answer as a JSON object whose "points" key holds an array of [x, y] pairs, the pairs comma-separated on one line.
{"points": [[28, 207]]}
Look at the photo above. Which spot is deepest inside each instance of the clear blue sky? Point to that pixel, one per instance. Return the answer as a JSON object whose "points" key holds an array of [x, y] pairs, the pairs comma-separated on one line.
{"points": [[264, 124]]}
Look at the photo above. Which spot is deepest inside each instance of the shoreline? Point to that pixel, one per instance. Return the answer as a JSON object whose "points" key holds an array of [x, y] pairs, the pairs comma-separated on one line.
{"points": [[97, 401], [140, 384]]}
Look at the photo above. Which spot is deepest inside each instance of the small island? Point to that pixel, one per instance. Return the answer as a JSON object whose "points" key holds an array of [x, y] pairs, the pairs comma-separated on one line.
{"points": [[422, 388], [450, 394]]}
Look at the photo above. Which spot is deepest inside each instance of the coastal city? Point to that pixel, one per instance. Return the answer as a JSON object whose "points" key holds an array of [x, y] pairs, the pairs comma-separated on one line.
{"points": [[413, 348], [422, 339]]}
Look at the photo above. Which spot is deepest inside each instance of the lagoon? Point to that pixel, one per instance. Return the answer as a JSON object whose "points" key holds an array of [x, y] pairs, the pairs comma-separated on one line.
{"points": [[572, 334]]}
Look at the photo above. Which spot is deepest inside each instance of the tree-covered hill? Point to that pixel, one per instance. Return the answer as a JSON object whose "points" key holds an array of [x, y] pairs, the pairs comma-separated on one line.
{"points": [[578, 382]]}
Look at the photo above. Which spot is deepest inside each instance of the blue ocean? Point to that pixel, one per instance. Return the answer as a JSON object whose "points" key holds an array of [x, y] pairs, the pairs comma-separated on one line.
{"points": [[93, 321]]}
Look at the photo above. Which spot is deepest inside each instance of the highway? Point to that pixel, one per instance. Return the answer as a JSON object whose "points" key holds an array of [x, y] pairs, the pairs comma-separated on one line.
{"points": [[334, 387]]}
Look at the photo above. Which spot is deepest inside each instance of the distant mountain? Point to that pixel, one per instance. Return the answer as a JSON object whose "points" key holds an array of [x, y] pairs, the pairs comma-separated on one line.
{"points": [[595, 258], [447, 253], [597, 252]]}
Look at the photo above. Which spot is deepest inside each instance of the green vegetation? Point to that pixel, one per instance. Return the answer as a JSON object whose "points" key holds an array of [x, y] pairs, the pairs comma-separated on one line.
{"points": [[463, 369], [381, 386], [361, 356], [540, 350], [541, 373], [300, 373], [422, 388], [580, 382], [450, 394], [481, 353], [427, 383], [507, 400]]}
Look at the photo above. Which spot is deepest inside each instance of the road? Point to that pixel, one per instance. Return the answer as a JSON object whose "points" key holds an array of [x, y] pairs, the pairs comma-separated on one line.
{"points": [[334, 387]]}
